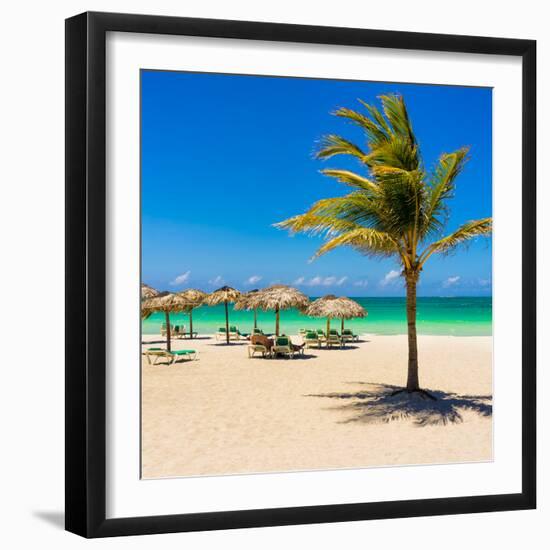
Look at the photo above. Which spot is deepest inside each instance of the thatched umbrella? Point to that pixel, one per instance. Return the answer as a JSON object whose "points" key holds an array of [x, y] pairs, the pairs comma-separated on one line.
{"points": [[148, 292], [243, 304], [224, 295], [278, 297], [195, 298], [331, 307], [350, 310], [167, 303]]}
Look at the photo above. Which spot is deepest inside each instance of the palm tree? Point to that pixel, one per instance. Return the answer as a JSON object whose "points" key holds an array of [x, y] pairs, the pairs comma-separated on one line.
{"points": [[397, 207]]}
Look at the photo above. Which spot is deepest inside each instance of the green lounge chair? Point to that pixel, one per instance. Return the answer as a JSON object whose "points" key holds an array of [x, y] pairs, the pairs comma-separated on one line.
{"points": [[282, 345], [234, 333], [220, 335], [311, 339], [158, 353], [180, 332], [334, 338], [349, 336]]}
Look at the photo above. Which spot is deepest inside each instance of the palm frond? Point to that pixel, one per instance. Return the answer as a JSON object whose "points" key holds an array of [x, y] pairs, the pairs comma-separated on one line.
{"points": [[377, 116], [353, 180], [375, 132], [441, 188], [314, 224], [464, 233], [396, 112], [355, 208], [332, 145], [402, 194], [366, 240]]}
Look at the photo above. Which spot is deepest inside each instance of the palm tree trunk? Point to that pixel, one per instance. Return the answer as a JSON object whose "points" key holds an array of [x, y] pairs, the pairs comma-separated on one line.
{"points": [[277, 321], [226, 323], [191, 324], [168, 335], [412, 375]]}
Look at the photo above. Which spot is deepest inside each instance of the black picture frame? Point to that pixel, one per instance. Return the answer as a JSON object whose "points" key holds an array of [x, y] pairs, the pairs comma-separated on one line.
{"points": [[86, 268]]}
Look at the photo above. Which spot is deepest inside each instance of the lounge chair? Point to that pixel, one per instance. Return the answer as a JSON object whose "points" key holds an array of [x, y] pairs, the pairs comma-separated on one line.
{"points": [[321, 335], [349, 336], [257, 348], [221, 334], [180, 332], [311, 339], [282, 345], [158, 353], [236, 334], [185, 334], [334, 338], [163, 329]]}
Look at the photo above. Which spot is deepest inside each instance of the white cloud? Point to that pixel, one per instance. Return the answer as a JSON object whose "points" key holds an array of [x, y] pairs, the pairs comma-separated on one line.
{"points": [[451, 281], [181, 279], [484, 282], [332, 280], [363, 283], [389, 278], [216, 281], [253, 280]]}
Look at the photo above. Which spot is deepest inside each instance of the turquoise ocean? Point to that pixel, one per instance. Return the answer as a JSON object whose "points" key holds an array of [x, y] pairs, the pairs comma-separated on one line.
{"points": [[467, 316]]}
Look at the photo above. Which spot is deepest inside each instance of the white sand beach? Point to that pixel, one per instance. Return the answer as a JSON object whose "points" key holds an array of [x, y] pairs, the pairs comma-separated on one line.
{"points": [[227, 414]]}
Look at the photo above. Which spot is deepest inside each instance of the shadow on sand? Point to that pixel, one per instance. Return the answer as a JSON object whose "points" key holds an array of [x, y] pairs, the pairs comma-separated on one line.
{"points": [[376, 404]]}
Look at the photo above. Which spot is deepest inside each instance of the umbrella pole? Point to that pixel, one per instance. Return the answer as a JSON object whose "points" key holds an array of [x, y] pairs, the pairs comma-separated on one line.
{"points": [[255, 318], [328, 326], [226, 323], [168, 335], [191, 324], [277, 321], [342, 328]]}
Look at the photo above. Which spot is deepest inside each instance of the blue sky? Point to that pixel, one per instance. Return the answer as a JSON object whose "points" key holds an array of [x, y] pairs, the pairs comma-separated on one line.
{"points": [[226, 156]]}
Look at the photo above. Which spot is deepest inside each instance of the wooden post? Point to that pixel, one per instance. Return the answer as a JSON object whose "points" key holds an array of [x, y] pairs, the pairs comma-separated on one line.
{"points": [[226, 323], [168, 331]]}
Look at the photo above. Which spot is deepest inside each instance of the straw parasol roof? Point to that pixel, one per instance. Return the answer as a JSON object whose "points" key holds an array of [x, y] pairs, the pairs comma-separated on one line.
{"points": [[167, 303], [277, 297], [335, 307], [224, 295], [242, 302], [148, 291], [332, 307], [195, 298]]}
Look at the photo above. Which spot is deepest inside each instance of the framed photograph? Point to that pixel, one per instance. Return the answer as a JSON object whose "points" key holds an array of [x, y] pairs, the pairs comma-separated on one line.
{"points": [[300, 274]]}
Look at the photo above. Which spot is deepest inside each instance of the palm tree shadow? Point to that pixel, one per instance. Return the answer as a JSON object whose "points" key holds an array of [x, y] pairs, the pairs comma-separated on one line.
{"points": [[377, 404]]}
